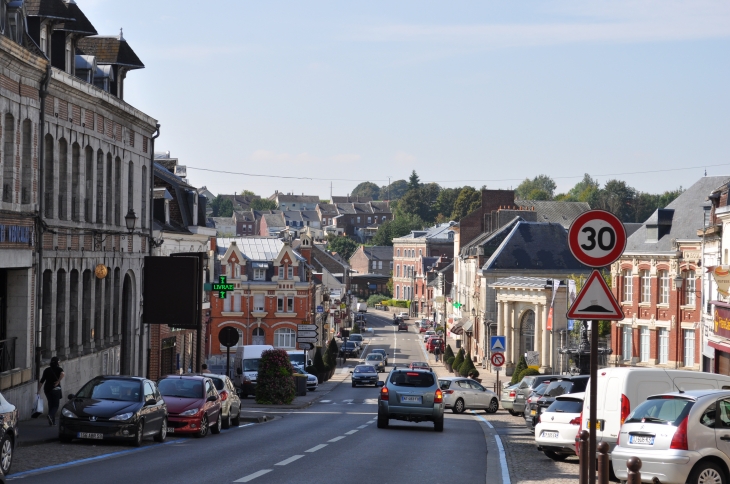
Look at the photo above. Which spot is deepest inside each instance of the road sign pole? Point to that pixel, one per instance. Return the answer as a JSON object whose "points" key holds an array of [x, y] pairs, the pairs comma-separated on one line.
{"points": [[594, 400], [228, 361]]}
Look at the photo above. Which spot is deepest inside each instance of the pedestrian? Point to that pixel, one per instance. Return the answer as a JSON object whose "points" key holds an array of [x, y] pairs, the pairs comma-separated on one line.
{"points": [[437, 351], [204, 367], [51, 381]]}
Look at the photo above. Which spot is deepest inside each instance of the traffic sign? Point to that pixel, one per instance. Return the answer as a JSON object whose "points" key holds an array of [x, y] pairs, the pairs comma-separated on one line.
{"points": [[320, 309], [595, 301], [597, 238], [306, 334], [497, 343], [497, 359], [306, 340], [306, 327], [228, 336], [306, 346]]}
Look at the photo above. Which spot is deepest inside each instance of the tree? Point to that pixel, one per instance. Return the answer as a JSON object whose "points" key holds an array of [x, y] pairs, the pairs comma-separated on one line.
{"points": [[344, 246], [414, 183], [263, 204], [540, 182], [330, 355], [459, 360], [402, 225], [521, 365], [469, 199], [445, 202], [275, 384], [584, 190], [222, 206], [366, 189], [616, 197], [394, 191], [248, 194], [467, 366]]}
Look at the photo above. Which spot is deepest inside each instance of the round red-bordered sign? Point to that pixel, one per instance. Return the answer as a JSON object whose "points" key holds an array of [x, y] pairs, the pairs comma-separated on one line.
{"points": [[497, 359], [597, 238]]}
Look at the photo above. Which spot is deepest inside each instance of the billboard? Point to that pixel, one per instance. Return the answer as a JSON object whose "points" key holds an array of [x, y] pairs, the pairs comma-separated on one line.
{"points": [[172, 291]]}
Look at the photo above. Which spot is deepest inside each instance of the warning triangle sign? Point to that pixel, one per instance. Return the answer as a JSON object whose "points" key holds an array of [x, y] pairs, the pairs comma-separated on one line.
{"points": [[595, 301]]}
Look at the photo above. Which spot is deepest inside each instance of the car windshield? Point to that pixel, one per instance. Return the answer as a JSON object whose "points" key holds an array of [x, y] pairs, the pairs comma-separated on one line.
{"points": [[124, 390], [181, 388], [412, 379], [379, 352], [355, 337], [375, 358], [350, 345], [419, 363], [566, 406], [364, 369], [251, 365], [664, 410], [557, 388]]}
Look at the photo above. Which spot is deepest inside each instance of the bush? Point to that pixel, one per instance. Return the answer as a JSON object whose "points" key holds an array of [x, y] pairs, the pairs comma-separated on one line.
{"points": [[448, 353], [319, 361], [450, 361], [527, 372], [473, 373], [376, 299], [521, 365], [275, 385], [458, 360], [330, 356], [467, 366]]}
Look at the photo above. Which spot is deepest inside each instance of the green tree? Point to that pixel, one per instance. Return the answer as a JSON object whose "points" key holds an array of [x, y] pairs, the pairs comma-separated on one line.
{"points": [[445, 202], [459, 360], [466, 366], [248, 194], [414, 183], [538, 194], [366, 189], [275, 384], [263, 204], [222, 207], [448, 352], [521, 365], [584, 190], [319, 363], [330, 355], [616, 197], [469, 199], [344, 246], [394, 191], [398, 227], [540, 182]]}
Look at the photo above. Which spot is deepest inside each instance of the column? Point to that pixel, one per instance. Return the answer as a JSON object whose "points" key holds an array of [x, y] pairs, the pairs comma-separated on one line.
{"points": [[512, 339], [539, 309], [507, 328], [545, 339]]}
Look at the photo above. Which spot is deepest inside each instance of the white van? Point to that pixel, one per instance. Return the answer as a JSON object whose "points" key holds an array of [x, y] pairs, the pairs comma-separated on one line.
{"points": [[297, 357], [621, 390], [246, 367]]}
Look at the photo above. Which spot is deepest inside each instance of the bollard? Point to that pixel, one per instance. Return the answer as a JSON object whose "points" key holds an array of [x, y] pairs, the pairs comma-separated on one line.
{"points": [[634, 467], [584, 435], [603, 463]]}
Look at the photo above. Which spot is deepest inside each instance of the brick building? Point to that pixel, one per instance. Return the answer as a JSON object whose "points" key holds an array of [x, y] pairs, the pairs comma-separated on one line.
{"points": [[373, 260]]}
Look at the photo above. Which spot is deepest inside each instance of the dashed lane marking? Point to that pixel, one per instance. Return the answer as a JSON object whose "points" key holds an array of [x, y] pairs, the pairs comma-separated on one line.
{"points": [[289, 460], [350, 432], [253, 476], [316, 448], [362, 426], [337, 438]]}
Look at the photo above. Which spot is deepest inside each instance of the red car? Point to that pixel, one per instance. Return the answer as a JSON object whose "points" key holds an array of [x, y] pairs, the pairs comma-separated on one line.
{"points": [[193, 405], [419, 365], [433, 342], [423, 329]]}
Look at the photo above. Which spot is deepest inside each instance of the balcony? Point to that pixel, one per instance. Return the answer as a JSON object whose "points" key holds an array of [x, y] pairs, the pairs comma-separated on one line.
{"points": [[7, 354]]}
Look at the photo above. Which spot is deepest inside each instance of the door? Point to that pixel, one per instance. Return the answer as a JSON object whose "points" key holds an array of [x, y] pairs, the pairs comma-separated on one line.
{"points": [[233, 397], [468, 394], [151, 413], [258, 337], [480, 394], [721, 419]]}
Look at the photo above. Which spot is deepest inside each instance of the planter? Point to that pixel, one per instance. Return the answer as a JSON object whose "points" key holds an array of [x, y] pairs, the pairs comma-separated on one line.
{"points": [[448, 367], [321, 377]]}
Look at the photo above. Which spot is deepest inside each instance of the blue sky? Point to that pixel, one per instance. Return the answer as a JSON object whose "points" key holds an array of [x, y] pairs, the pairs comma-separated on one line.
{"points": [[479, 93]]}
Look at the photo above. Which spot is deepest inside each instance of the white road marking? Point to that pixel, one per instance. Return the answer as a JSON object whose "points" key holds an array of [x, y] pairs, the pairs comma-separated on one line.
{"points": [[253, 476], [371, 421], [362, 426], [316, 448], [246, 425], [370, 401], [289, 460], [325, 401], [502, 455], [350, 432], [347, 400], [337, 438]]}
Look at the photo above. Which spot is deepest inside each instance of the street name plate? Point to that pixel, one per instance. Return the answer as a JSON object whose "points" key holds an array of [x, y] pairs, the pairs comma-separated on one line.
{"points": [[306, 334], [306, 327]]}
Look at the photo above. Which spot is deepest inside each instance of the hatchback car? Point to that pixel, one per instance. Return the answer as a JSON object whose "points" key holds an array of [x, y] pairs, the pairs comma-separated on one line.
{"points": [[556, 427], [349, 349], [403, 315], [433, 342], [115, 408], [376, 360], [679, 437], [312, 381], [230, 402], [364, 375], [381, 352], [464, 393], [356, 338], [564, 386], [428, 334], [8, 434], [402, 326], [525, 388], [508, 397], [193, 403], [411, 395]]}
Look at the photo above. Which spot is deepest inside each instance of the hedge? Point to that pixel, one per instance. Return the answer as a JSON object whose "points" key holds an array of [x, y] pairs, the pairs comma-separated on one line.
{"points": [[275, 385]]}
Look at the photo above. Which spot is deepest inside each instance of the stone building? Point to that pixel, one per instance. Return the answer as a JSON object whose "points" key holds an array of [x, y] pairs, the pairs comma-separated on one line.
{"points": [[373, 260]]}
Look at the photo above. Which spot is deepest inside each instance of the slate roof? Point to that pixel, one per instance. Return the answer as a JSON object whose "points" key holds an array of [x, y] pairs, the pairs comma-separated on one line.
{"points": [[244, 215], [293, 215], [559, 212], [427, 263], [349, 199], [518, 281], [534, 246], [345, 208], [439, 231], [51, 9], [274, 220], [80, 24], [180, 197], [488, 238], [333, 263], [688, 217], [257, 249], [328, 209], [223, 221], [383, 207], [109, 50], [310, 215], [379, 252], [296, 198], [632, 227]]}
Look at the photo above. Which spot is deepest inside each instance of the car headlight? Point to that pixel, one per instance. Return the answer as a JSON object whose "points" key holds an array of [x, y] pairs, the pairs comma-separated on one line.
{"points": [[188, 413], [68, 413], [123, 416]]}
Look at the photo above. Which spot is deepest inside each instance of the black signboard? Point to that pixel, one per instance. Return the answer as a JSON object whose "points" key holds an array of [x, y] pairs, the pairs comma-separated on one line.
{"points": [[171, 291]]}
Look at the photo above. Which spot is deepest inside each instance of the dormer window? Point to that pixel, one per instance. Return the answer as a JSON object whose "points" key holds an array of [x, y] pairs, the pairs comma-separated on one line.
{"points": [[259, 275], [281, 272], [290, 272], [69, 57], [44, 40], [238, 271]]}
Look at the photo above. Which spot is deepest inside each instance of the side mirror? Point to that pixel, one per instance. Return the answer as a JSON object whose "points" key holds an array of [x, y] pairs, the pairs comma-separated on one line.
{"points": [[211, 398], [71, 396], [381, 383], [151, 401]]}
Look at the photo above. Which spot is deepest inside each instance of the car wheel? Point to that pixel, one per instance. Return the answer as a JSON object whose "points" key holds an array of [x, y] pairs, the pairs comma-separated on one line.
{"points": [[512, 412], [707, 473], [162, 434], [227, 420], [438, 424], [555, 456], [382, 422], [6, 454], [353, 385], [139, 435], [458, 406], [493, 406], [237, 421], [216, 428], [203, 431]]}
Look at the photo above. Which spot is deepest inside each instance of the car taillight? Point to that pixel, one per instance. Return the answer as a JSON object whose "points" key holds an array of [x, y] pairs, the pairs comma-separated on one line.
{"points": [[575, 421], [224, 396], [512, 394], [384, 393], [679, 441], [439, 397], [625, 408], [448, 392]]}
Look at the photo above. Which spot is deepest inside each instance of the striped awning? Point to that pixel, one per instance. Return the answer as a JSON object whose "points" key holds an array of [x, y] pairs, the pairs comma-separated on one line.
{"points": [[468, 325], [457, 328]]}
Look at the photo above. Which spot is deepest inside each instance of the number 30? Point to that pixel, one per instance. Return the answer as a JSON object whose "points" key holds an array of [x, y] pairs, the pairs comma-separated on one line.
{"points": [[592, 238]]}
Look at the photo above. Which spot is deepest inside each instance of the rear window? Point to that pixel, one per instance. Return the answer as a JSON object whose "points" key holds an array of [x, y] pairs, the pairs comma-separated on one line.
{"points": [[355, 337], [566, 406], [541, 388], [444, 384], [558, 388], [412, 379], [661, 410], [364, 369], [219, 383]]}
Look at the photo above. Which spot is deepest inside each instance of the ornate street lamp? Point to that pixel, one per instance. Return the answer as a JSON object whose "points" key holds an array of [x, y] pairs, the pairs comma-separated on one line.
{"points": [[130, 219]]}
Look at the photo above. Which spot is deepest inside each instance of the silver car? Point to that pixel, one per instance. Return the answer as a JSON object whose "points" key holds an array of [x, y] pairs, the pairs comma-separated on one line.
{"points": [[681, 437], [230, 402], [381, 352], [464, 393], [376, 360], [364, 375], [411, 395], [508, 397]]}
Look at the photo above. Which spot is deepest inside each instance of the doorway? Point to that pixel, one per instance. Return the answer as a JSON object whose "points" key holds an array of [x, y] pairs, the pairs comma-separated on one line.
{"points": [[259, 337], [527, 332]]}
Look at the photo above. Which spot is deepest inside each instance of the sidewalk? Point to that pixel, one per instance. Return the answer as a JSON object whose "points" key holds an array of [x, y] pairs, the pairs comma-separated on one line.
{"points": [[36, 431]]}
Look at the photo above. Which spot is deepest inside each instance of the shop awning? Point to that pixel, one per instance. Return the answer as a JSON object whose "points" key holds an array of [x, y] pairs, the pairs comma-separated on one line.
{"points": [[468, 326], [719, 346], [462, 326], [456, 328]]}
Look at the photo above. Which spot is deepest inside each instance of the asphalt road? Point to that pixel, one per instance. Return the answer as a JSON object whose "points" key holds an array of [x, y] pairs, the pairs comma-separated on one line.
{"points": [[335, 440]]}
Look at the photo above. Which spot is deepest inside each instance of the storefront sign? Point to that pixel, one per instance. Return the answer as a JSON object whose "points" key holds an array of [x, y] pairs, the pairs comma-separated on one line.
{"points": [[722, 321], [722, 279]]}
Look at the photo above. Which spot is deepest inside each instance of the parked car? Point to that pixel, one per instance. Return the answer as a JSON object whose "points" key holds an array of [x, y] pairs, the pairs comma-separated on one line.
{"points": [[246, 366], [534, 396], [557, 425], [428, 334], [422, 329], [298, 357], [402, 326], [403, 315], [525, 388], [349, 349], [193, 403], [115, 408], [419, 365], [508, 397], [433, 342], [312, 380], [412, 395], [364, 375], [8, 434], [230, 403], [679, 437], [381, 352], [564, 386], [356, 338], [375, 360], [464, 394]]}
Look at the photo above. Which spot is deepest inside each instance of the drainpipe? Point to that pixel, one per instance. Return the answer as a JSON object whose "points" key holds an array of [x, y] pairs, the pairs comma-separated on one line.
{"points": [[42, 92], [154, 136]]}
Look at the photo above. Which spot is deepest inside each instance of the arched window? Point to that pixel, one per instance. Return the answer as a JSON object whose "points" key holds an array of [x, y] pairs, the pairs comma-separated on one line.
{"points": [[284, 338], [73, 312], [75, 181], [8, 158], [89, 185], [397, 252], [86, 310], [117, 191], [100, 187], [130, 187], [62, 179], [47, 318], [144, 197], [259, 337], [109, 189], [60, 311], [397, 271], [116, 331], [26, 187], [48, 175], [397, 292]]}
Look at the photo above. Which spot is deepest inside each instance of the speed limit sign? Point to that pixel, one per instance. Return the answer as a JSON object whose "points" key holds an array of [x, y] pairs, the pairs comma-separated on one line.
{"points": [[597, 238]]}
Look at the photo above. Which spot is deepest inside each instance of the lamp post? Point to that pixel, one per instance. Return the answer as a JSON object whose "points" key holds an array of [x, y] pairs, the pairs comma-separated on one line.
{"points": [[130, 220], [678, 281]]}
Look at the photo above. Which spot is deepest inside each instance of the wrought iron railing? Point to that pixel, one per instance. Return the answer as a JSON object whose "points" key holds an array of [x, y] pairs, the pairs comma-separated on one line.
{"points": [[7, 354]]}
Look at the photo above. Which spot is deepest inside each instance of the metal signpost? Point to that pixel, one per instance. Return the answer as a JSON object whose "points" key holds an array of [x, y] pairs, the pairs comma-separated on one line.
{"points": [[228, 336], [306, 338], [596, 239]]}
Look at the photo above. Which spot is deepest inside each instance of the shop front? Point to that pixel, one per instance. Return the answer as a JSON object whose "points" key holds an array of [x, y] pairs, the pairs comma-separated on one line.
{"points": [[719, 340]]}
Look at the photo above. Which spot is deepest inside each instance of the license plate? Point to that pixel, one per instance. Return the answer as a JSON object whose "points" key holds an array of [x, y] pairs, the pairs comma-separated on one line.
{"points": [[88, 435], [549, 435], [599, 424], [533, 412], [410, 399], [641, 439], [170, 430]]}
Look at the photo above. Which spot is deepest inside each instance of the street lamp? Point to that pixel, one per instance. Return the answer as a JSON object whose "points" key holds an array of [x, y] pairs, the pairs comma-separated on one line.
{"points": [[130, 219], [678, 281]]}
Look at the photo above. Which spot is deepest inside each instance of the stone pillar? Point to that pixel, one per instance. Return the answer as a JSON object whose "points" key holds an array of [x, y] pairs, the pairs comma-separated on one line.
{"points": [[512, 337], [501, 316], [537, 340], [545, 340]]}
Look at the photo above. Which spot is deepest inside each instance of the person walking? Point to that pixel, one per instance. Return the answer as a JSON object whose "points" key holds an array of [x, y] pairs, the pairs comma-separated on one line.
{"points": [[437, 351], [51, 381]]}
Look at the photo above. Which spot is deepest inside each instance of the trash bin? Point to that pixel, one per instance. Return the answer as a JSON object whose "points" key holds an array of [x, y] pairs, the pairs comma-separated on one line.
{"points": [[301, 384]]}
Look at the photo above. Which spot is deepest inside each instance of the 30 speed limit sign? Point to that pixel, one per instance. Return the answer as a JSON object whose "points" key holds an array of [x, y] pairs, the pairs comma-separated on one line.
{"points": [[597, 238]]}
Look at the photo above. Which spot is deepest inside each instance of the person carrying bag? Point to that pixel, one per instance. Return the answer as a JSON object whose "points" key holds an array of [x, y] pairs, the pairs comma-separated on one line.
{"points": [[51, 381]]}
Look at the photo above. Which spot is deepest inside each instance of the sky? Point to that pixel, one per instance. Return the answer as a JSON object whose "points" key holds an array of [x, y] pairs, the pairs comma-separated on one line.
{"points": [[329, 94]]}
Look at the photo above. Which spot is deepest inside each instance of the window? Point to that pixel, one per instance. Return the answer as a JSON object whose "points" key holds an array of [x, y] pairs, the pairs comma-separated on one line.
{"points": [[689, 287], [259, 274], [227, 304], [27, 166], [130, 190], [397, 272], [69, 57], [44, 40], [280, 304], [644, 342], [420, 252], [236, 302], [99, 187], [645, 286], [627, 342], [258, 303], [397, 253], [369, 219], [62, 178], [109, 192], [284, 338], [380, 264], [391, 265], [75, 181], [117, 191], [237, 271], [375, 264], [290, 272], [397, 292], [358, 220], [48, 192], [628, 285], [280, 272], [689, 347], [663, 287], [663, 349], [290, 304], [8, 158]]}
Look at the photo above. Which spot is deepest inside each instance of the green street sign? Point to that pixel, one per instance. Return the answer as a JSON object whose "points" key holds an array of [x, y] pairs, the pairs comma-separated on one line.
{"points": [[222, 287]]}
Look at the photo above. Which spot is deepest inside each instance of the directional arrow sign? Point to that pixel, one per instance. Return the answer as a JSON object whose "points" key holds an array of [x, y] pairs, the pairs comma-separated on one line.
{"points": [[306, 334], [306, 327], [306, 346], [595, 301], [306, 340]]}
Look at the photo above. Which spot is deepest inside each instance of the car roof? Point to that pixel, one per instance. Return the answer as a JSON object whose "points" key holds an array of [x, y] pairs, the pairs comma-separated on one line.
{"points": [[378, 350], [695, 394], [187, 376], [119, 377], [211, 375]]}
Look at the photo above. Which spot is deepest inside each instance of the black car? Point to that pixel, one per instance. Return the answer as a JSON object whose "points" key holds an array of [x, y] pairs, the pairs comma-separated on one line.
{"points": [[402, 326], [349, 349], [8, 434], [574, 384], [115, 408]]}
